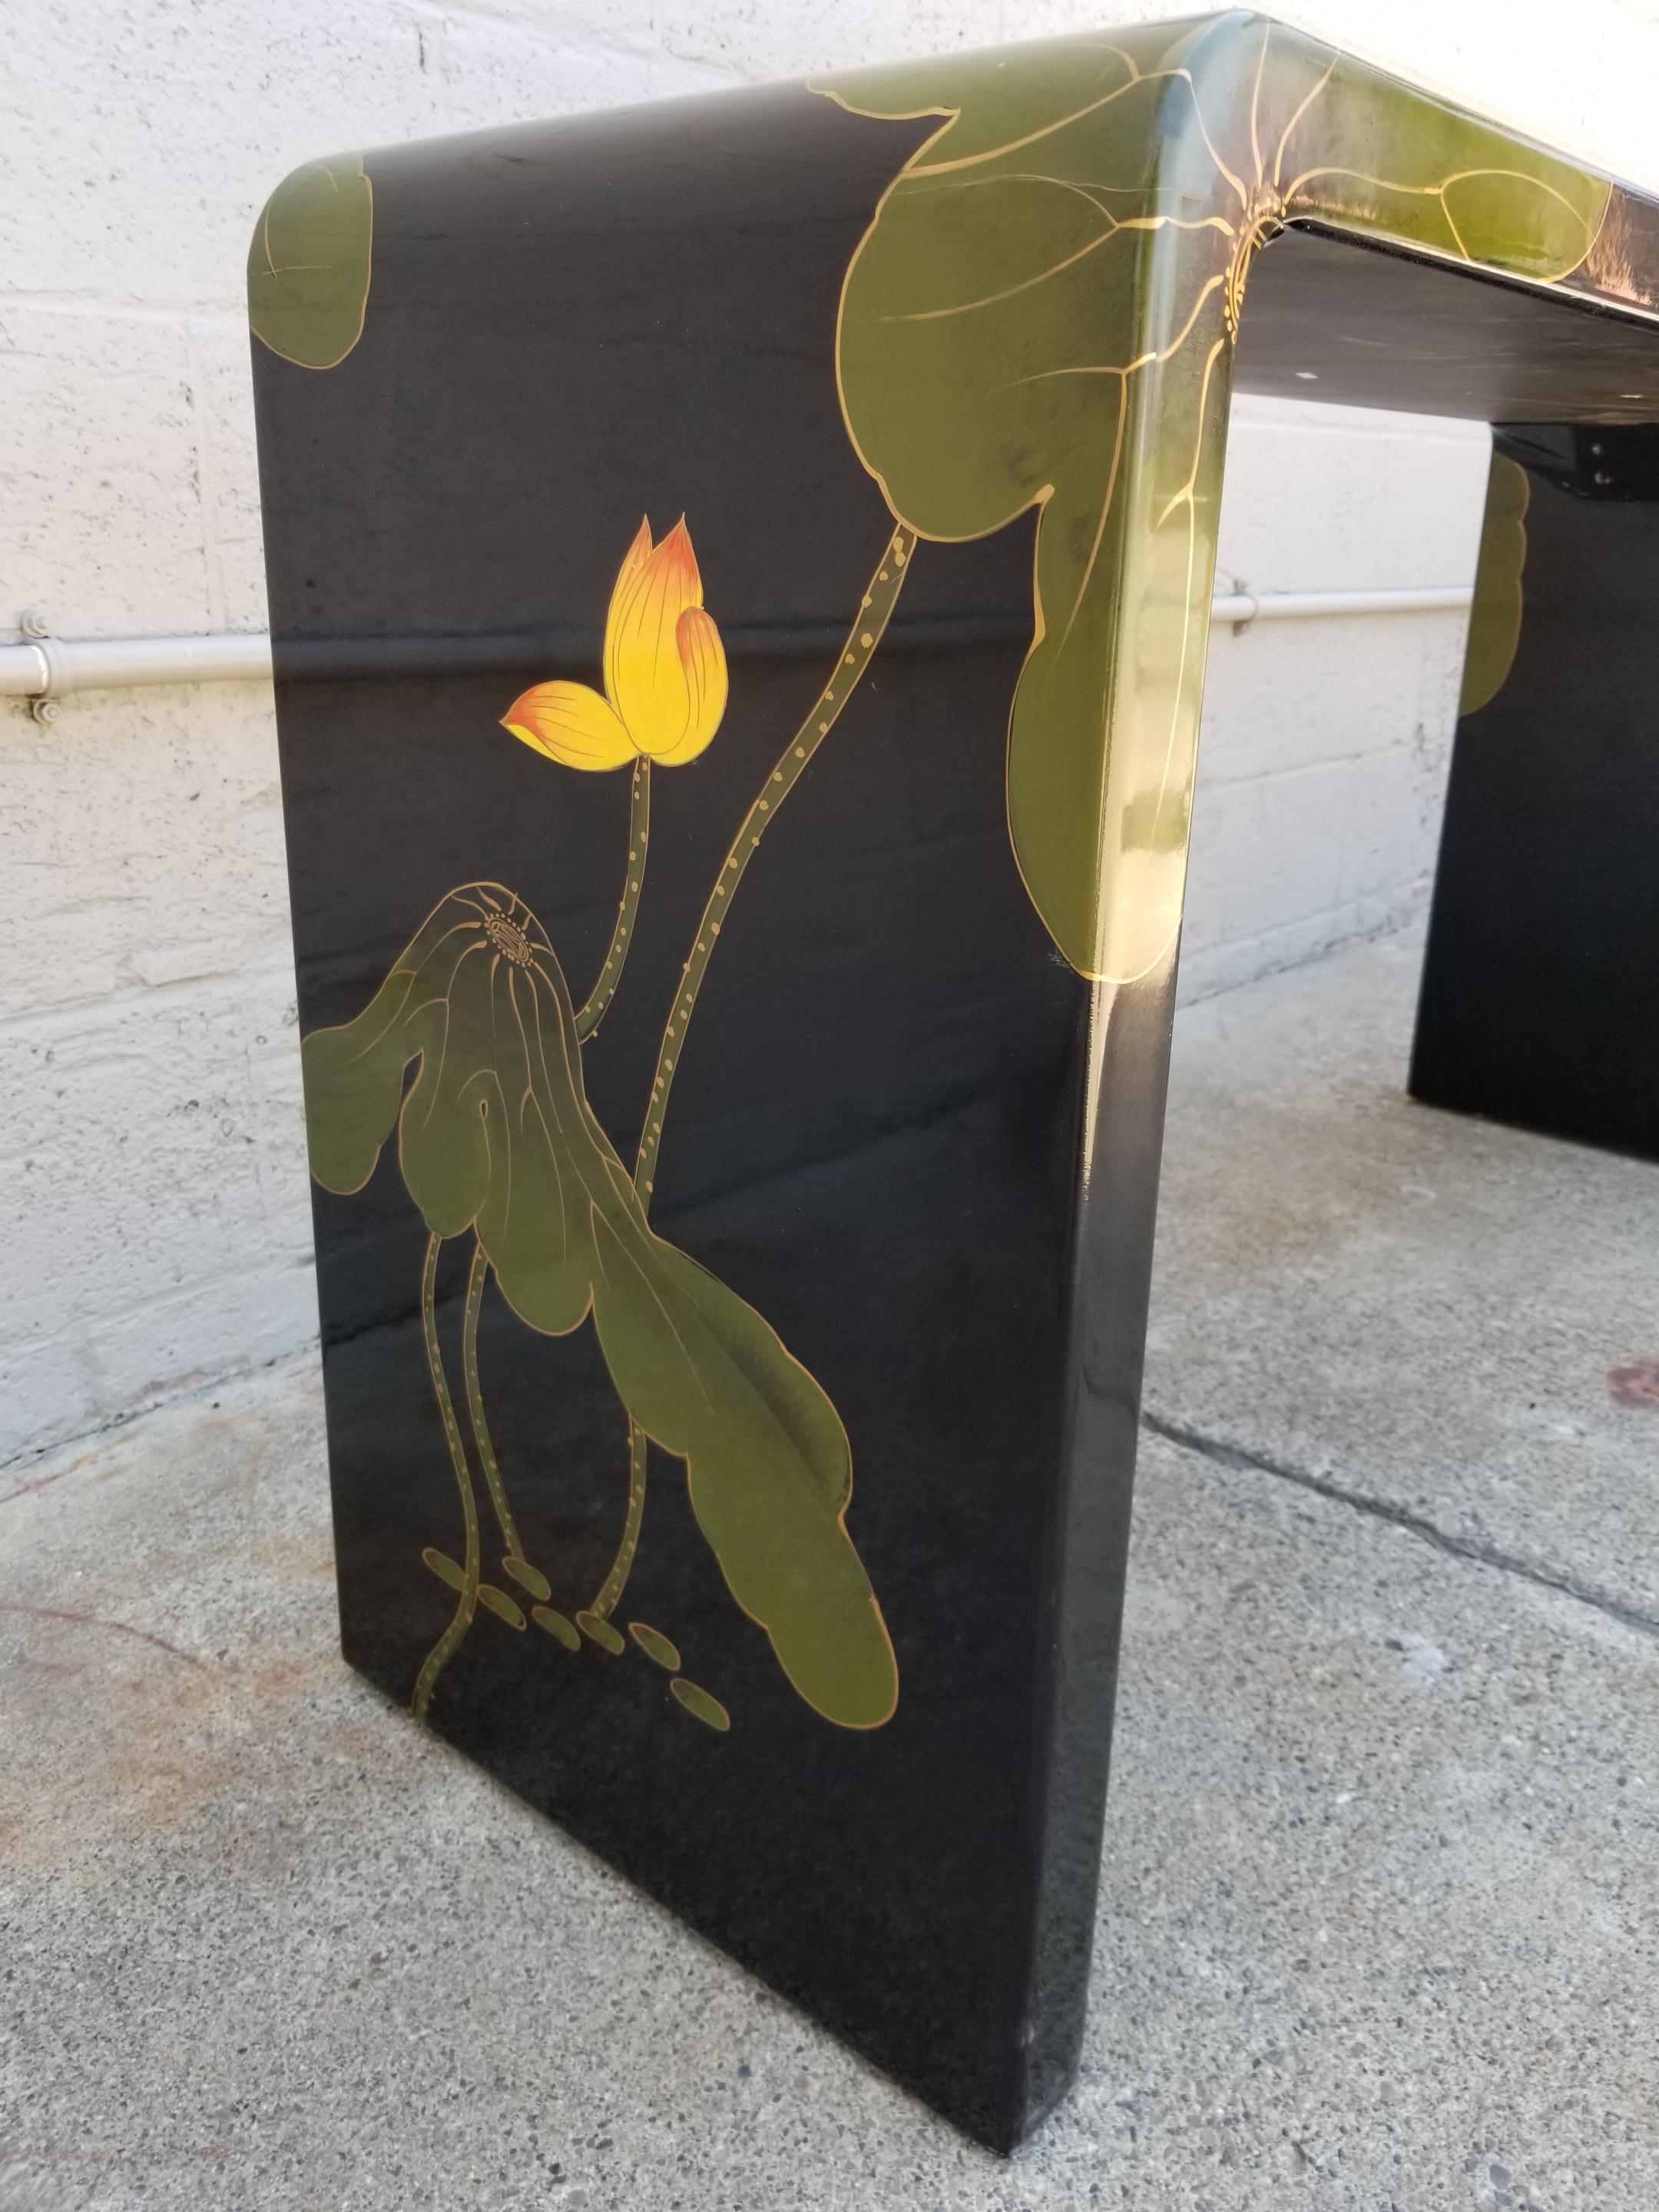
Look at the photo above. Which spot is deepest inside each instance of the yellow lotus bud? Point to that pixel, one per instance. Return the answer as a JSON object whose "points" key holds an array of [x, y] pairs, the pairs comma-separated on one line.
{"points": [[664, 670]]}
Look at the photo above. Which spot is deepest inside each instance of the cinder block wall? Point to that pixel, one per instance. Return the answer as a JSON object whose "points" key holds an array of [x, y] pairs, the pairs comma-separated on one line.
{"points": [[1323, 761], [156, 1208]]}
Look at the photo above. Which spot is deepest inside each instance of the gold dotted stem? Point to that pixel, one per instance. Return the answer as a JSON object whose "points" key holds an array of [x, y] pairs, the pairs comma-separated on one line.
{"points": [[467, 1603], [616, 1579], [853, 659], [475, 1291], [638, 834]]}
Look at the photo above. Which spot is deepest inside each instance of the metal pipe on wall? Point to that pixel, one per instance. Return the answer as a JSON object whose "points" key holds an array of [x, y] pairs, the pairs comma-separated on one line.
{"points": [[46, 669]]}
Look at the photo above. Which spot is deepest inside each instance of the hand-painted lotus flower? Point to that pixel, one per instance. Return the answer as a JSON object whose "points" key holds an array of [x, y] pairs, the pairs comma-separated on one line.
{"points": [[664, 670]]}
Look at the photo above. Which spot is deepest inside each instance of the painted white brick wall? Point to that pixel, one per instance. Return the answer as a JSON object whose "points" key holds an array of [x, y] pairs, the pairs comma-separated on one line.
{"points": [[1323, 761], [155, 1202]]}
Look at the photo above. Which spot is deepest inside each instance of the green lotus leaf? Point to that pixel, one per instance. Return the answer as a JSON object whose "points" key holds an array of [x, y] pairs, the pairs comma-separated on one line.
{"points": [[308, 266], [495, 1133], [1384, 161], [1495, 616], [1042, 316], [767, 1462], [986, 321], [354, 1086]]}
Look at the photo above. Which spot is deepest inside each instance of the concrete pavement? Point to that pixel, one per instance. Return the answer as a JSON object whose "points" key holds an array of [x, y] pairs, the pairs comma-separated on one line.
{"points": [[1379, 1921]]}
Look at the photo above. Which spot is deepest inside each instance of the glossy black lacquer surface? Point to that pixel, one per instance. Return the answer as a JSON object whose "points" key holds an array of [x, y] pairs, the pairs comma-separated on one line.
{"points": [[1364, 326], [876, 1127], [1541, 990]]}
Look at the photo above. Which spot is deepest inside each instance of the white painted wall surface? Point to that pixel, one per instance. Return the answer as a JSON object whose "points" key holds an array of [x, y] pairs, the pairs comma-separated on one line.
{"points": [[155, 1215]]}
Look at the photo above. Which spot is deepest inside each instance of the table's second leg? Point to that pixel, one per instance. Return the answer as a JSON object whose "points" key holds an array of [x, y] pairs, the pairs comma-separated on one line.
{"points": [[1540, 1001]]}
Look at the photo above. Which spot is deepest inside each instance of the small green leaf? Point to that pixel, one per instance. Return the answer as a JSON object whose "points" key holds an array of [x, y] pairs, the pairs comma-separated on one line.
{"points": [[526, 1576], [444, 1567], [1495, 616], [697, 1702], [501, 1605], [556, 1627], [655, 1645], [601, 1633], [308, 266]]}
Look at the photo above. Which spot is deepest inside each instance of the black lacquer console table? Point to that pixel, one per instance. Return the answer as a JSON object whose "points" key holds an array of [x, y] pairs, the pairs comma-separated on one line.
{"points": [[739, 575]]}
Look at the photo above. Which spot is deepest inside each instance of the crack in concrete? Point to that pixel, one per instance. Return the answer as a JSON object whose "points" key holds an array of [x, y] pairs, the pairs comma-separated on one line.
{"points": [[168, 1401], [43, 1482], [1401, 1516], [97, 1620]]}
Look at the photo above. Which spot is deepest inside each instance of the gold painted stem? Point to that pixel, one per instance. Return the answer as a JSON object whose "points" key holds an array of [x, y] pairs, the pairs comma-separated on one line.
{"points": [[617, 1578], [475, 1291], [467, 1604], [875, 609], [638, 834]]}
